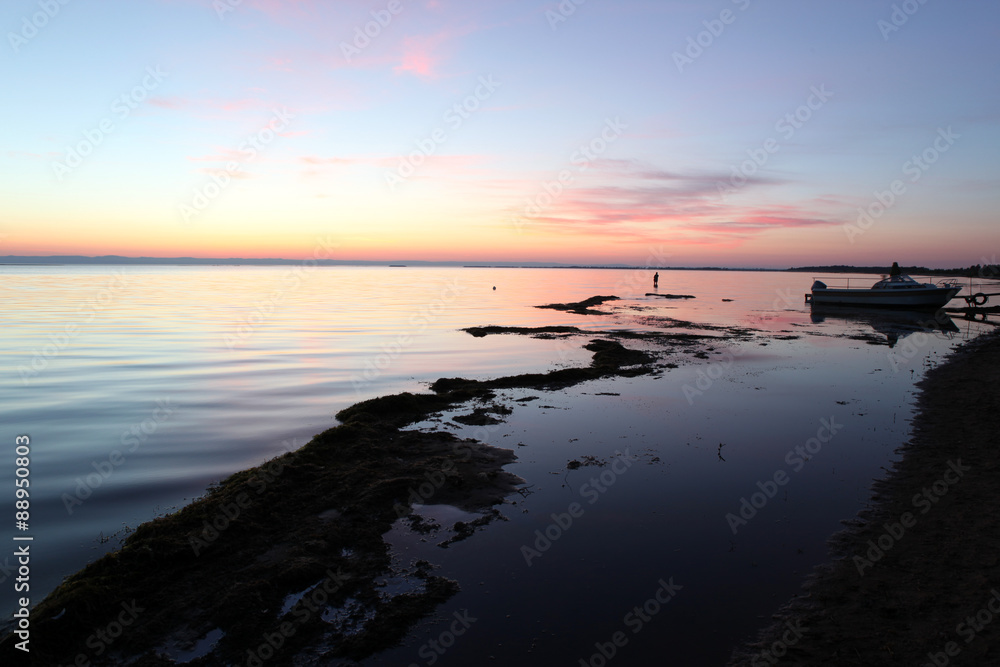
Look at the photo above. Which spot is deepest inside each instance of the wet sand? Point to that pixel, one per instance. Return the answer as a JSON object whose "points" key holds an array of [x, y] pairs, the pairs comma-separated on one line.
{"points": [[915, 579]]}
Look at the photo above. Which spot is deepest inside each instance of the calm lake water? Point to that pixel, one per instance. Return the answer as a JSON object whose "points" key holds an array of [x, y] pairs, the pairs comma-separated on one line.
{"points": [[139, 386]]}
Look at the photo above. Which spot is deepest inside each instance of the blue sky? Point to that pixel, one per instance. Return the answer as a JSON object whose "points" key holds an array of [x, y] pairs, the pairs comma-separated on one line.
{"points": [[764, 145]]}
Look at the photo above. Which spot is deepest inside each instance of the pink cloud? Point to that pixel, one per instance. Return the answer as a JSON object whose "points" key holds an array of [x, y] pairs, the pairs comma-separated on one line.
{"points": [[417, 63], [167, 102], [251, 112], [657, 205], [240, 105], [418, 57], [423, 55], [277, 10], [315, 160], [279, 65]]}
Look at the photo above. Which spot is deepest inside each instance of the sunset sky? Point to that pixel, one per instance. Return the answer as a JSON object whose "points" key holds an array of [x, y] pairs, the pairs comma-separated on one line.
{"points": [[722, 132]]}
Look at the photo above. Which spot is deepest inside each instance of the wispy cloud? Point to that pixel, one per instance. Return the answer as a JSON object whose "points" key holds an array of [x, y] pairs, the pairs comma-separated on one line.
{"points": [[278, 64], [167, 102], [316, 161], [240, 105], [650, 204]]}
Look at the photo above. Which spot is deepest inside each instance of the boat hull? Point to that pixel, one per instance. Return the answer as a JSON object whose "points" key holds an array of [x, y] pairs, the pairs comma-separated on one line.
{"points": [[930, 297]]}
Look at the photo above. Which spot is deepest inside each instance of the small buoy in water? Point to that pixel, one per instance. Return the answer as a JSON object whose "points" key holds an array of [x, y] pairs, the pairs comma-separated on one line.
{"points": [[494, 288]]}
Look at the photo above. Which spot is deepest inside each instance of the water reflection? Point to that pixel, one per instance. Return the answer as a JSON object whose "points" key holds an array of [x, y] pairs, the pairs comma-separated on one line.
{"points": [[349, 333], [893, 324]]}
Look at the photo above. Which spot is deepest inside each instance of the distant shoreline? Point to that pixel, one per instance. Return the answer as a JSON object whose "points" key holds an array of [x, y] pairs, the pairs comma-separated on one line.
{"points": [[118, 260]]}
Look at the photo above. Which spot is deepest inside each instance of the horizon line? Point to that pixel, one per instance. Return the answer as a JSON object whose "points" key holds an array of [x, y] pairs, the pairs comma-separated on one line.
{"points": [[41, 260]]}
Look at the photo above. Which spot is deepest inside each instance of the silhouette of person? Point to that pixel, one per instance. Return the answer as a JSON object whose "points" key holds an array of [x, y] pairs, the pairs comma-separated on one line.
{"points": [[656, 278]]}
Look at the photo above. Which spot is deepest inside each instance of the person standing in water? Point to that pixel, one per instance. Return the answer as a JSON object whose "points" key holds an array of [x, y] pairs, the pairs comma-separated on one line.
{"points": [[656, 278]]}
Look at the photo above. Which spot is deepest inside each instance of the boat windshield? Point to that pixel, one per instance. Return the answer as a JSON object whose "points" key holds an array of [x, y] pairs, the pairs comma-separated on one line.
{"points": [[897, 282]]}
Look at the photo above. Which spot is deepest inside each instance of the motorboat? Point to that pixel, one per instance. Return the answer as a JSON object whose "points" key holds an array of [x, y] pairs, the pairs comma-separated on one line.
{"points": [[897, 290]]}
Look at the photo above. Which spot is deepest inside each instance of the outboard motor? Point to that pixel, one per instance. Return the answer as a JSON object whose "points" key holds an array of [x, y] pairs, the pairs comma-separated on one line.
{"points": [[819, 284]]}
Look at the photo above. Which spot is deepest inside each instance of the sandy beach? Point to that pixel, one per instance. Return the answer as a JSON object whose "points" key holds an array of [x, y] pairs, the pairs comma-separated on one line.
{"points": [[916, 580]]}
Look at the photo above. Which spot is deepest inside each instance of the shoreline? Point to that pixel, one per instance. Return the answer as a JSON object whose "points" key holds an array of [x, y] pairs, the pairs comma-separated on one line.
{"points": [[982, 272], [245, 572], [914, 579]]}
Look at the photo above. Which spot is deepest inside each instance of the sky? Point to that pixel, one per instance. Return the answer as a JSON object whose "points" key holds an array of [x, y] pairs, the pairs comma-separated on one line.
{"points": [[736, 133]]}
